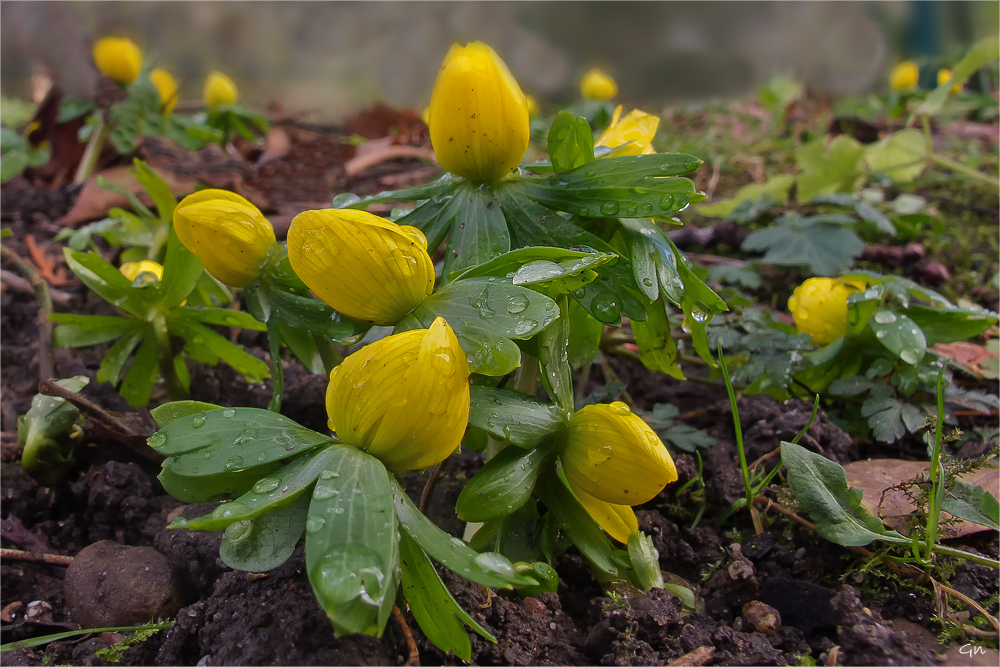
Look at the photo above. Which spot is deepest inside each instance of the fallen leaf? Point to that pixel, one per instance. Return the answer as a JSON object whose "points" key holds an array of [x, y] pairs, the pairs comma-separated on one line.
{"points": [[878, 478], [94, 201], [979, 360]]}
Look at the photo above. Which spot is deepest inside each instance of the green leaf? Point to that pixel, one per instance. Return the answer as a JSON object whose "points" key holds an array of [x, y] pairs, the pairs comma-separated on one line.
{"points": [[270, 493], [861, 306], [822, 243], [889, 417], [485, 569], [264, 543], [686, 438], [584, 336], [700, 305], [479, 233], [645, 561], [433, 218], [553, 357], [432, 190], [223, 317], [502, 485], [437, 613], [138, 115], [571, 142], [117, 355], [972, 503], [46, 423], [828, 166], [71, 108], [579, 526], [901, 156], [199, 336], [137, 386], [158, 190], [303, 346], [820, 485], [900, 335], [216, 487], [83, 330], [45, 639], [168, 412], [108, 283], [352, 543], [181, 272], [982, 53], [657, 348], [541, 266], [650, 246], [871, 214], [775, 189], [948, 325], [517, 418]]}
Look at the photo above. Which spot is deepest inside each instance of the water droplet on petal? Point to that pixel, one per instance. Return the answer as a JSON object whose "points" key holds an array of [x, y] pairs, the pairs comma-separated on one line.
{"points": [[620, 408]]}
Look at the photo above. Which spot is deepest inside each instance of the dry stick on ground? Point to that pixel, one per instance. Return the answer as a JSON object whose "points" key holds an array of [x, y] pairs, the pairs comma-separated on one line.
{"points": [[943, 590], [45, 363], [700, 656], [28, 557], [19, 284], [432, 479], [358, 164], [413, 659]]}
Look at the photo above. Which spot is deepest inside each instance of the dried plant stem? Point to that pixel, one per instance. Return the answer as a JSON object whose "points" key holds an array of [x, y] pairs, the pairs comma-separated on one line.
{"points": [[28, 557], [413, 659]]}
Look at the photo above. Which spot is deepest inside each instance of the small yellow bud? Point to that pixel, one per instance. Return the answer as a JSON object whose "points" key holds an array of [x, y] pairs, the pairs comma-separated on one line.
{"points": [[167, 88], [638, 127], [118, 58], [905, 75], [613, 459], [478, 116], [532, 105], [404, 399], [596, 85], [219, 90], [148, 269], [944, 76], [361, 265], [230, 236], [819, 307]]}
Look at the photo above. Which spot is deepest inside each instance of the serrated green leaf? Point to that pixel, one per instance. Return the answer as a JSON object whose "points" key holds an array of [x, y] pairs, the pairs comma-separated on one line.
{"points": [[828, 166], [889, 417], [972, 503], [901, 156], [826, 247]]}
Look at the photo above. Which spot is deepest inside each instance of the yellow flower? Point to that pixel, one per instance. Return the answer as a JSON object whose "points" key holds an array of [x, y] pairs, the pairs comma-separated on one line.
{"points": [[944, 76], [131, 270], [613, 459], [532, 104], [167, 87], [819, 307], [363, 266], [118, 58], [219, 89], [596, 85], [230, 236], [478, 115], [404, 399], [638, 127], [905, 75]]}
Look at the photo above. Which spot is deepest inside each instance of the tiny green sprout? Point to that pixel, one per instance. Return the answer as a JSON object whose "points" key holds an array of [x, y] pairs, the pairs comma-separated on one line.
{"points": [[47, 432]]}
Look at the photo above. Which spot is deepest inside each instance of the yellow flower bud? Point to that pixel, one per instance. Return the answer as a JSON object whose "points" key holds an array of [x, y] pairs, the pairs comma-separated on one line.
{"points": [[613, 459], [118, 58], [151, 269], [404, 399], [819, 307], [638, 127], [478, 115], [361, 265], [230, 236], [532, 104], [944, 76], [219, 89], [167, 88], [905, 75], [596, 85]]}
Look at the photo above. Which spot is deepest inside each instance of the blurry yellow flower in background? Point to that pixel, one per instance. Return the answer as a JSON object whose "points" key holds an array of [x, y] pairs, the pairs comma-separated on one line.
{"points": [[478, 116], [403, 399], [219, 90], [167, 87], [230, 235], [118, 58], [361, 265], [905, 75], [819, 307], [596, 85], [944, 76], [637, 127], [532, 105], [151, 269], [613, 460]]}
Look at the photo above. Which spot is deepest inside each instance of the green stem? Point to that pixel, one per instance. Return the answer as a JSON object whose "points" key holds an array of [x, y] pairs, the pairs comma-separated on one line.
{"points": [[277, 372], [165, 354], [736, 426], [93, 151], [936, 496], [526, 378], [963, 169], [958, 553]]}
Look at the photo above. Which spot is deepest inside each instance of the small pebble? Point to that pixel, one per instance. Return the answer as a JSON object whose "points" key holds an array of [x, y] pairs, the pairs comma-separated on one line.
{"points": [[763, 618]]}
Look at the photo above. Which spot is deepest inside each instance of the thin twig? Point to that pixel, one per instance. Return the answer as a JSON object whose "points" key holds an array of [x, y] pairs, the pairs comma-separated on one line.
{"points": [[942, 590], [358, 164], [714, 180], [413, 659], [19, 284], [45, 362], [581, 387], [611, 376], [700, 656], [28, 557], [432, 479]]}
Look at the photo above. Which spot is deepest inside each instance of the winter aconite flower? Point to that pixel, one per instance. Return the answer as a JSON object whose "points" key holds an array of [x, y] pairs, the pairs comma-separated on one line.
{"points": [[638, 127], [819, 307], [230, 236], [167, 88], [147, 269], [219, 90], [478, 115], [118, 58], [596, 85], [612, 460], [905, 75], [532, 104], [363, 266], [944, 76], [404, 399]]}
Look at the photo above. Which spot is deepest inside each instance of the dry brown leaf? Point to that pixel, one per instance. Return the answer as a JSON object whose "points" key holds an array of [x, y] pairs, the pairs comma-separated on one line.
{"points": [[94, 201], [878, 478], [973, 357]]}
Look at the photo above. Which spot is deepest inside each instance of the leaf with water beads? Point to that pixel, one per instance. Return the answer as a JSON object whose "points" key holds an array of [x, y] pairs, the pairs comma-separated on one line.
{"points": [[502, 485], [264, 543], [900, 335]]}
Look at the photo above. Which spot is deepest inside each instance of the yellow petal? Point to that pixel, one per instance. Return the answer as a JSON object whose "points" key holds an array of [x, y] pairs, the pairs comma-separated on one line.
{"points": [[532, 104], [118, 58], [819, 307], [596, 85], [404, 399], [615, 456], [905, 75], [219, 89], [167, 88], [478, 115], [618, 520], [944, 76], [132, 269], [230, 235], [363, 266], [638, 127]]}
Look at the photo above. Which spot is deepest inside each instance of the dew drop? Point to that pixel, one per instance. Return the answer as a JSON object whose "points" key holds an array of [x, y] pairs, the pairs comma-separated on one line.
{"points": [[199, 420], [646, 209], [329, 474], [234, 463], [881, 334], [324, 492], [524, 326], [666, 202], [229, 413], [339, 510], [493, 562], [885, 317], [314, 524], [239, 531], [648, 282], [227, 510], [158, 439], [620, 408], [517, 304], [606, 309], [609, 208], [590, 173], [266, 485], [630, 211]]}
